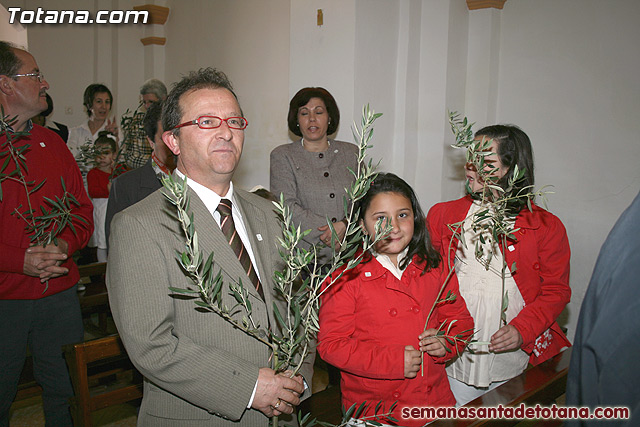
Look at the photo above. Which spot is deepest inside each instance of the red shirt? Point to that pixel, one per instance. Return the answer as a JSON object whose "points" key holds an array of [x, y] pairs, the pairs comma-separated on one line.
{"points": [[98, 181]]}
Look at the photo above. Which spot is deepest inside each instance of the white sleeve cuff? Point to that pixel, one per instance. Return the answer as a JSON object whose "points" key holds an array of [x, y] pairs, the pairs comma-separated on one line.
{"points": [[253, 395]]}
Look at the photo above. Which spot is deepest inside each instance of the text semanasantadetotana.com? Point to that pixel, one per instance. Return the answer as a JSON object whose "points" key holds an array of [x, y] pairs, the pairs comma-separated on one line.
{"points": [[521, 412], [43, 16]]}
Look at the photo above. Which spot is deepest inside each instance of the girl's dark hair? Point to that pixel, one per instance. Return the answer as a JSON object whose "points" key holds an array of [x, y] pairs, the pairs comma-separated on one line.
{"points": [[90, 94], [420, 243], [106, 138], [514, 148], [302, 98]]}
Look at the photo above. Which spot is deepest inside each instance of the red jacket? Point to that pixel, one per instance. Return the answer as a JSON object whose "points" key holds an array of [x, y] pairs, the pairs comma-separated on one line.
{"points": [[367, 318], [542, 256]]}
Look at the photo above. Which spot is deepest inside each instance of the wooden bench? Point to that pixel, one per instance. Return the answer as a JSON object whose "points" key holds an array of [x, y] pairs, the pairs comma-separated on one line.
{"points": [[94, 299], [102, 375], [541, 384]]}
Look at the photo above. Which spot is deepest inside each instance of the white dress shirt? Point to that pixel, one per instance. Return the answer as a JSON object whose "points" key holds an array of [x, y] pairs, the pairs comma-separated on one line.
{"points": [[211, 200]]}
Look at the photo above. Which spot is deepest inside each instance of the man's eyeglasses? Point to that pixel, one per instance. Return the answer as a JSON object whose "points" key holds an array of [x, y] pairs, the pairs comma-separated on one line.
{"points": [[213, 122], [37, 75]]}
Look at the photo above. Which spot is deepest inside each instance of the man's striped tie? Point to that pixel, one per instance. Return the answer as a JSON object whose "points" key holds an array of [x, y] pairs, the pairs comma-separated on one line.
{"points": [[228, 228]]}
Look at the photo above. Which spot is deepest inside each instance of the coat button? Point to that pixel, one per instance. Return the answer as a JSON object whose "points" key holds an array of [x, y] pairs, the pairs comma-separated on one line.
{"points": [[429, 388], [522, 231], [334, 219], [326, 174], [332, 195], [321, 155], [396, 395], [536, 266], [393, 312], [415, 309]]}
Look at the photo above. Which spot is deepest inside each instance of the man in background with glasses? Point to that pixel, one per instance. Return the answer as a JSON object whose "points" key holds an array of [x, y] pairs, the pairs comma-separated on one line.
{"points": [[38, 300], [200, 370]]}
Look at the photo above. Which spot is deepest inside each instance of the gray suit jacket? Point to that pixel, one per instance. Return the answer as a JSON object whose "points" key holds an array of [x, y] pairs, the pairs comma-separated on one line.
{"points": [[128, 189], [199, 370], [313, 185]]}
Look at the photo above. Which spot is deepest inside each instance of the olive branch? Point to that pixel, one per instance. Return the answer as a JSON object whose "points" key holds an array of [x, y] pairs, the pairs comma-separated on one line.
{"points": [[131, 124], [354, 411]]}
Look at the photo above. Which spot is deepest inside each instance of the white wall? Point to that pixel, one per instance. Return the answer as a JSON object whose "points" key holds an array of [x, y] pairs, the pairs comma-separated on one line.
{"points": [[15, 33], [565, 71], [324, 55], [249, 41], [74, 56], [568, 75]]}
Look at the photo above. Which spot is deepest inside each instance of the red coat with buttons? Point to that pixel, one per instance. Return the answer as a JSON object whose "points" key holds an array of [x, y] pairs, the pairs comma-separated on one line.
{"points": [[368, 317], [541, 253]]}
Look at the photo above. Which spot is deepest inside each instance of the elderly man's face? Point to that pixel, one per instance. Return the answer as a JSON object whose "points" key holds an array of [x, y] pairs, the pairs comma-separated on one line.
{"points": [[148, 99], [30, 93], [208, 156]]}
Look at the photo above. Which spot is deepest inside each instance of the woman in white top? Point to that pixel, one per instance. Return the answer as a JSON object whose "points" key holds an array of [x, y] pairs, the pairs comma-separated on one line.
{"points": [[97, 101]]}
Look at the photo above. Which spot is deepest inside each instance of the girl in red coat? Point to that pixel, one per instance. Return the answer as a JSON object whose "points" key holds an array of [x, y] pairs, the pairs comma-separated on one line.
{"points": [[537, 289], [372, 320]]}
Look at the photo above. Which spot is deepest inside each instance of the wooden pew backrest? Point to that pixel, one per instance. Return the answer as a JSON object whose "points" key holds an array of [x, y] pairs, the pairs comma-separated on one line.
{"points": [[102, 375]]}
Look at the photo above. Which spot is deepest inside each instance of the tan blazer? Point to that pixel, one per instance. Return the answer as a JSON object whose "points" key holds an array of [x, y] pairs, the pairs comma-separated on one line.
{"points": [[199, 370]]}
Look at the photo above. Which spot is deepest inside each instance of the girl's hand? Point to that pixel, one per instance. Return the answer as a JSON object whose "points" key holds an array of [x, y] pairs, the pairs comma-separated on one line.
{"points": [[430, 344], [325, 237], [411, 362], [507, 338]]}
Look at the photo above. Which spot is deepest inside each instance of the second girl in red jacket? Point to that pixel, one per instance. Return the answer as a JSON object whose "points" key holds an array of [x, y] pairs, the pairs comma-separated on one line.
{"points": [[537, 289]]}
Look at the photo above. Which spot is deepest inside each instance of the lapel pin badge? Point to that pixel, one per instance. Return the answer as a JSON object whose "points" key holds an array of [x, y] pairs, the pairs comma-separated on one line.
{"points": [[259, 237]]}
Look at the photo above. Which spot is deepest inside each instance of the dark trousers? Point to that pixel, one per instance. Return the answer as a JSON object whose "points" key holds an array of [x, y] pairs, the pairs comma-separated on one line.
{"points": [[44, 325]]}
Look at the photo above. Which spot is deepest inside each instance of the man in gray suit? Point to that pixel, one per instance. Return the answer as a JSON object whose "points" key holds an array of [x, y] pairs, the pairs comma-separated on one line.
{"points": [[199, 369]]}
